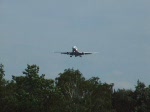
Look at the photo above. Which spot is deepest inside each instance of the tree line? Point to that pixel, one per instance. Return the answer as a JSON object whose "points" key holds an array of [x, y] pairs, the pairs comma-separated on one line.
{"points": [[69, 92]]}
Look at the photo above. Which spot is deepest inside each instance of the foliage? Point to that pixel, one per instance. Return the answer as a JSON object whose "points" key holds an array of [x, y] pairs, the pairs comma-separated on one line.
{"points": [[69, 92], [123, 100], [142, 97]]}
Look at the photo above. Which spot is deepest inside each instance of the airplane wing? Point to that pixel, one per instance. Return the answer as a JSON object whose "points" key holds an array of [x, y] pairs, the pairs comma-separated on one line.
{"points": [[68, 53], [85, 53]]}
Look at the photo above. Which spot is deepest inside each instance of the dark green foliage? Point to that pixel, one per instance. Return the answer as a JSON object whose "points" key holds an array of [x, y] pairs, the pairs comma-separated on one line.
{"points": [[123, 100], [2, 72], [30, 93], [3, 84], [69, 92], [132, 101], [83, 95], [142, 97]]}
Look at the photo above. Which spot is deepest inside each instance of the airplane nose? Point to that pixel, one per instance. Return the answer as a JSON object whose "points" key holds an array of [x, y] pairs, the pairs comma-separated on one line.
{"points": [[74, 47]]}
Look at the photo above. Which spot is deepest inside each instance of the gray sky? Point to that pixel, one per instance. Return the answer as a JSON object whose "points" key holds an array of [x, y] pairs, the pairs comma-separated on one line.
{"points": [[31, 30]]}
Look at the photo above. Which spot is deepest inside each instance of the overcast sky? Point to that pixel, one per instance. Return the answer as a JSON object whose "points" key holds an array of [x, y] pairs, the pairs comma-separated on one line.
{"points": [[31, 30]]}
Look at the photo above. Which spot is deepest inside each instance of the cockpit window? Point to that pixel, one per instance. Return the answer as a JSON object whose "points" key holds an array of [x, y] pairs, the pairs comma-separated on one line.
{"points": [[74, 47]]}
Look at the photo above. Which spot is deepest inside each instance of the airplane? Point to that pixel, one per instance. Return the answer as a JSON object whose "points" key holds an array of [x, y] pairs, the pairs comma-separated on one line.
{"points": [[76, 53]]}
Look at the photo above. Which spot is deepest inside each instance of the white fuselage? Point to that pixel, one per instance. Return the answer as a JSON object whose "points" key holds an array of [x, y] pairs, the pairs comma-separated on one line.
{"points": [[74, 49], [75, 52]]}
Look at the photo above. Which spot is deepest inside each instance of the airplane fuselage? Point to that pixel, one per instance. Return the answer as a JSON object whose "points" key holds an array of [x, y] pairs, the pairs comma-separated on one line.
{"points": [[75, 52]]}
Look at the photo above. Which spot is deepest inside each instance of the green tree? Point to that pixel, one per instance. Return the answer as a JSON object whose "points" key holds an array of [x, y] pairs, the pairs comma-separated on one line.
{"points": [[34, 92], [7, 101], [97, 96], [123, 100], [83, 95], [142, 97], [2, 86], [2, 72], [70, 84]]}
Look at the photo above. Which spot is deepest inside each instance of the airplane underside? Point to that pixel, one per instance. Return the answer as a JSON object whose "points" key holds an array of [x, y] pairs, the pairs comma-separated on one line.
{"points": [[75, 55]]}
